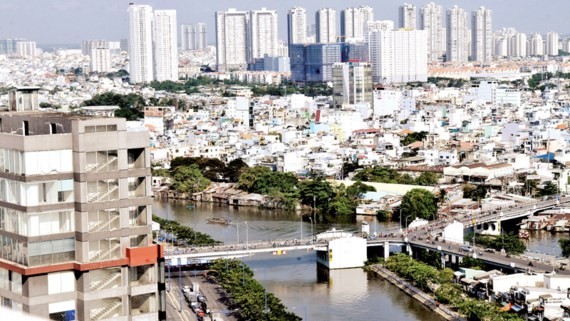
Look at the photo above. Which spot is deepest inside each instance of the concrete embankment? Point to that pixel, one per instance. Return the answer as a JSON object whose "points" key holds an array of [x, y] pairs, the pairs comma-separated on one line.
{"points": [[417, 294]]}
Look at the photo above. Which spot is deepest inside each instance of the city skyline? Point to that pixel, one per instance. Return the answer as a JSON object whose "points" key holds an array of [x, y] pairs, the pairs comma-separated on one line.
{"points": [[106, 19]]}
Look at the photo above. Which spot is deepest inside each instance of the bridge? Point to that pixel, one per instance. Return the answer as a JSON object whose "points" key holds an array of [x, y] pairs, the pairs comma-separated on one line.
{"points": [[411, 238]]}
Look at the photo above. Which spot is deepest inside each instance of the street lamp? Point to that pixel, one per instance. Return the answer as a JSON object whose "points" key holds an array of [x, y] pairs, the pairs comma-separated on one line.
{"points": [[180, 283], [501, 230], [400, 218], [311, 219], [246, 236], [406, 220], [237, 231]]}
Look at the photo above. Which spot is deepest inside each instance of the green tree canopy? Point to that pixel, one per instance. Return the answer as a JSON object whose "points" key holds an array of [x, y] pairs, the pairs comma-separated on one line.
{"points": [[234, 169], [131, 105], [315, 192], [189, 179], [419, 203], [427, 179], [549, 189], [358, 189], [413, 137]]}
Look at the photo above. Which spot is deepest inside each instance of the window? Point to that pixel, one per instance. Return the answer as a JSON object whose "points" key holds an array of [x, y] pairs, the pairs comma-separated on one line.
{"points": [[137, 216], [52, 128], [107, 249], [26, 128], [138, 240], [136, 186], [104, 220], [104, 190], [51, 252], [100, 128]]}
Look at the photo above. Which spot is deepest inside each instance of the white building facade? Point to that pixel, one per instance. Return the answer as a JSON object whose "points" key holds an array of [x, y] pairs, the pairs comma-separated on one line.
{"points": [[325, 21], [407, 14], [165, 45], [262, 34], [231, 39], [431, 20], [140, 43], [297, 25], [398, 56], [354, 22], [457, 35], [482, 35]]}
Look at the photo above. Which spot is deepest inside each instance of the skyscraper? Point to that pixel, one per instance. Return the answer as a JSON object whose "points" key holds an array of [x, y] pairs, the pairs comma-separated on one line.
{"points": [[193, 37], [26, 48], [552, 40], [231, 39], [262, 34], [297, 25], [354, 23], [100, 59], [518, 45], [165, 45], [457, 35], [482, 35], [431, 20], [140, 43], [407, 16], [325, 20], [397, 56], [536, 45]]}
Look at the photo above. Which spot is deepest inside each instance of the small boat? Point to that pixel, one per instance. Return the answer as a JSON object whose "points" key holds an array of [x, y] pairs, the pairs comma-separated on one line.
{"points": [[523, 234], [218, 220]]}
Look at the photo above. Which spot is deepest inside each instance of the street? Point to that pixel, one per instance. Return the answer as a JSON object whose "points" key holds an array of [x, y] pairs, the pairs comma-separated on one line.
{"points": [[210, 290]]}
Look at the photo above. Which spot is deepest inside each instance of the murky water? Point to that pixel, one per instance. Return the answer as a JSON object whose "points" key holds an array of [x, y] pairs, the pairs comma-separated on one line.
{"points": [[350, 294]]}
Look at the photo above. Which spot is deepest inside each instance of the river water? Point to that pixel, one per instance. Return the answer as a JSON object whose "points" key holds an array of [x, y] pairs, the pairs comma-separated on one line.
{"points": [[350, 294]]}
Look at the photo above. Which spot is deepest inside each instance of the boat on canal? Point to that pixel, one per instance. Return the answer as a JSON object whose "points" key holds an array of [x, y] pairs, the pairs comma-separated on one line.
{"points": [[219, 220]]}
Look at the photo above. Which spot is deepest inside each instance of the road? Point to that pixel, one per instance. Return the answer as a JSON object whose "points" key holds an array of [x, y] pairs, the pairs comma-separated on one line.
{"points": [[211, 291]]}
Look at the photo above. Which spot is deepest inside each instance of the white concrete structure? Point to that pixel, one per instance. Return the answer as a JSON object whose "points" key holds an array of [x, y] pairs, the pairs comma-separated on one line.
{"points": [[536, 45], [453, 232], [325, 21], [100, 59], [431, 20], [193, 37], [165, 45], [482, 35], [297, 25], [343, 253], [140, 43], [26, 48], [552, 40], [354, 22], [262, 34], [398, 56], [518, 45], [407, 15], [231, 39], [457, 35]]}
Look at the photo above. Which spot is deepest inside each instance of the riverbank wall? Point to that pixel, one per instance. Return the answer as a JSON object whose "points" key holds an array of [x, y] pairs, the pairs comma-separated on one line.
{"points": [[422, 297]]}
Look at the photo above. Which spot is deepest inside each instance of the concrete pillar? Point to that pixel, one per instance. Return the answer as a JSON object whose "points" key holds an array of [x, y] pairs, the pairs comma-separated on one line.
{"points": [[409, 249], [442, 260], [386, 250]]}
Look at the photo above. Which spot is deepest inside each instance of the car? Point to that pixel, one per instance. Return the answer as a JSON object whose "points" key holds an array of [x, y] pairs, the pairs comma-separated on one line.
{"points": [[490, 250], [466, 248]]}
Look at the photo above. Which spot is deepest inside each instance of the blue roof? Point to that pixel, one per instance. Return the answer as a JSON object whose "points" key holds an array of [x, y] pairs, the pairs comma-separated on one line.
{"points": [[547, 156]]}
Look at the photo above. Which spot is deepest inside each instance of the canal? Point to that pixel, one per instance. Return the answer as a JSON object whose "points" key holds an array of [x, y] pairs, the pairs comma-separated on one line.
{"points": [[350, 294]]}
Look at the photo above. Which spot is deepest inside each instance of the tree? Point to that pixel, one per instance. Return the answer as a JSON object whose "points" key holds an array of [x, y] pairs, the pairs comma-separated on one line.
{"points": [[419, 203], [564, 246], [427, 179], [234, 169], [315, 192], [473, 192], [130, 105], [248, 178], [549, 189], [189, 179], [413, 137], [358, 189]]}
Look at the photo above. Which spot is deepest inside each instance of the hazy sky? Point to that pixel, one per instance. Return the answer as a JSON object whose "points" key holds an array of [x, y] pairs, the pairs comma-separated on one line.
{"points": [[71, 21]]}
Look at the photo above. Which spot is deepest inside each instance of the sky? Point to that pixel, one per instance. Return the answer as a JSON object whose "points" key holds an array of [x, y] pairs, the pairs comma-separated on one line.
{"points": [[72, 21]]}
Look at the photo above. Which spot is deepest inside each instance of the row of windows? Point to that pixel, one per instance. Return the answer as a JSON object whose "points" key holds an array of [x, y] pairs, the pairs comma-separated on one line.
{"points": [[36, 163], [36, 193], [36, 224]]}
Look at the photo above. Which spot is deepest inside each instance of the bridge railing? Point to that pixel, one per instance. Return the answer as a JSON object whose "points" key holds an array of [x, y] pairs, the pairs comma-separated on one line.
{"points": [[256, 244]]}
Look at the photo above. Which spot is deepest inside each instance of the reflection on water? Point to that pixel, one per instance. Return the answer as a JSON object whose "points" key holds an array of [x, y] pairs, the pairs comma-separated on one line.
{"points": [[545, 242], [350, 294]]}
